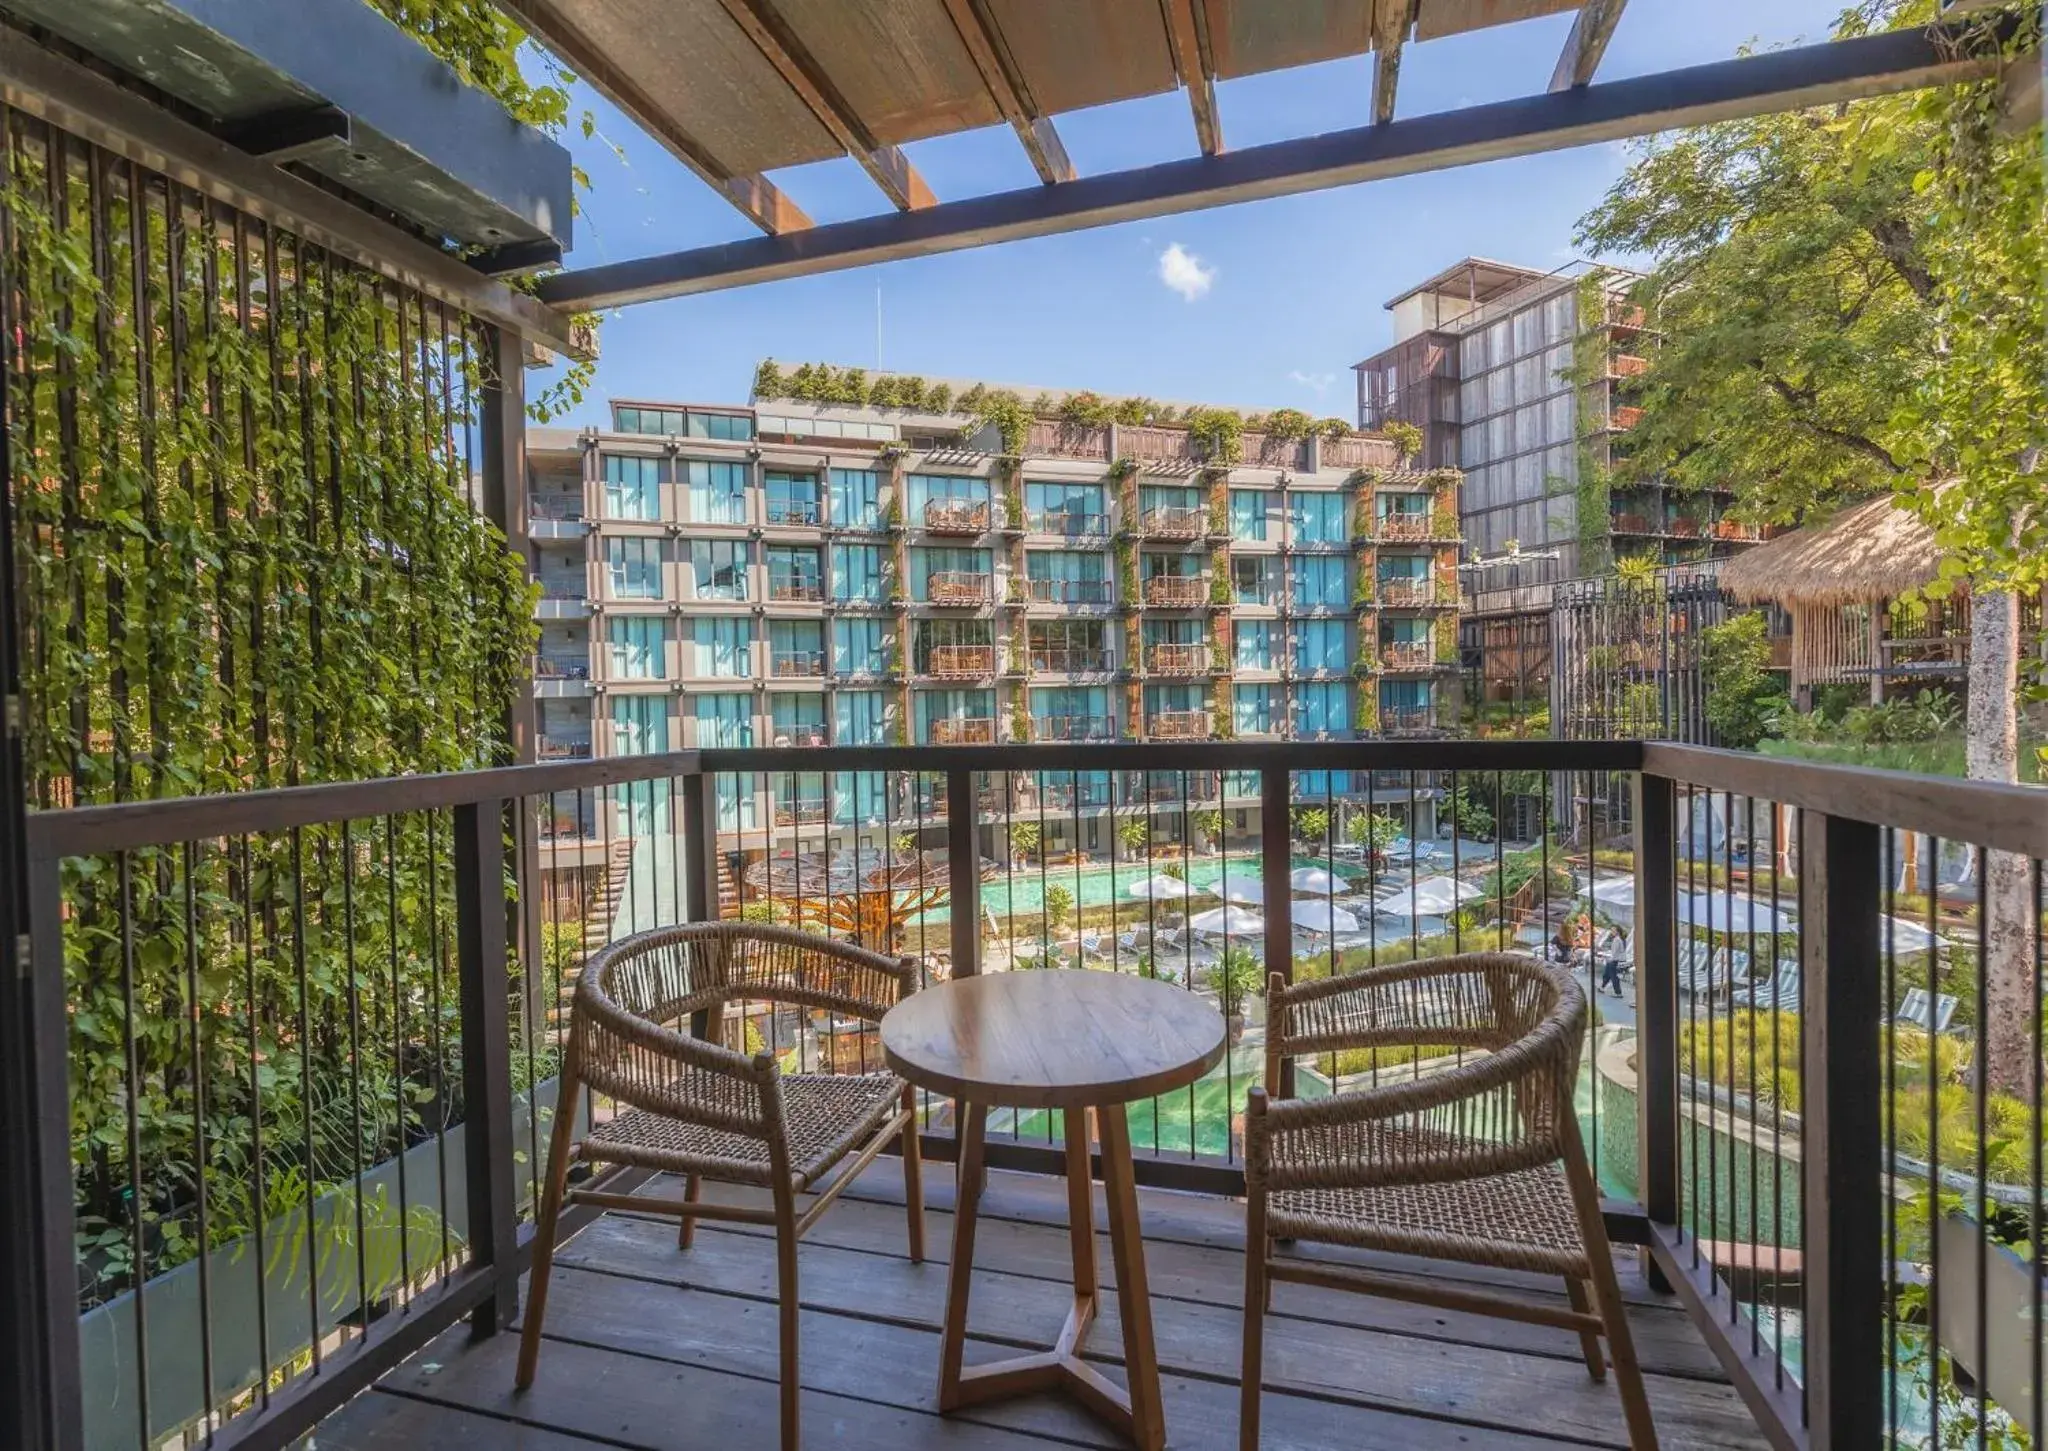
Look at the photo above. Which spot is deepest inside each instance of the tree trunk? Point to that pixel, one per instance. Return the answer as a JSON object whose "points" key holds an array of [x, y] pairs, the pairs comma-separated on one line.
{"points": [[1992, 728]]}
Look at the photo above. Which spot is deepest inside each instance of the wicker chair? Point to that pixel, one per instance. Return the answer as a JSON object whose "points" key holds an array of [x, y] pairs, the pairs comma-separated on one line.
{"points": [[1478, 1161], [690, 1106]]}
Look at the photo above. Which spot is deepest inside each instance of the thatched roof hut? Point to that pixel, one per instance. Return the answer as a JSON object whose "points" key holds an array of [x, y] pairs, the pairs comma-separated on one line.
{"points": [[1867, 554], [1838, 581]]}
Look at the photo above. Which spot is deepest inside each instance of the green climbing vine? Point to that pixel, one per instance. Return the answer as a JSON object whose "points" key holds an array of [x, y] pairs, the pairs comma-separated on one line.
{"points": [[248, 556]]}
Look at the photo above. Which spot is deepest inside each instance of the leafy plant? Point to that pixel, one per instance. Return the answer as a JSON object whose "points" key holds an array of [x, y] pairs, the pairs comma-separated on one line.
{"points": [[1059, 906], [1638, 572], [1405, 436], [1134, 833], [1377, 831], [1209, 821], [1311, 823], [1024, 838], [1472, 817], [1742, 695], [1237, 978], [1217, 432], [1289, 424]]}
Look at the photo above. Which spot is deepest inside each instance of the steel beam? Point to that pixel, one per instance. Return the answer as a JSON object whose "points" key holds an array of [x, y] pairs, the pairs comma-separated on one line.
{"points": [[66, 94], [890, 168], [986, 47], [757, 198], [1191, 58], [1583, 48], [1783, 80]]}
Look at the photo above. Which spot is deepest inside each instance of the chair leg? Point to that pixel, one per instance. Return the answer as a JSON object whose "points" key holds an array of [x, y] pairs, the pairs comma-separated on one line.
{"points": [[686, 1232], [1258, 1298], [553, 1187], [1589, 1340], [786, 1294], [913, 1177], [1621, 1346]]}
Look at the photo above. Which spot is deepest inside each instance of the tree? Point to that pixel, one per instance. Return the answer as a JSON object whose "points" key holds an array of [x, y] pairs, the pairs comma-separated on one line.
{"points": [[1311, 823], [1059, 906], [1375, 830], [1742, 696], [1209, 821], [1135, 834], [1849, 302], [1024, 838], [1237, 978]]}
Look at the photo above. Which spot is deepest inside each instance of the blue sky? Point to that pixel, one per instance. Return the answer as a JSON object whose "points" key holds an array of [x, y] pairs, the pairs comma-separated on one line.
{"points": [[1279, 299]]}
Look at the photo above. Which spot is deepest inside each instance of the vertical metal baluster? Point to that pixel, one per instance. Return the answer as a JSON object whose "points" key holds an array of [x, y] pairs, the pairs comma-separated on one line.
{"points": [[131, 1074], [398, 1093], [436, 1057], [1689, 980], [355, 1070], [195, 1017], [259, 1197], [2034, 1141], [298, 855], [1980, 1088], [1889, 1169]]}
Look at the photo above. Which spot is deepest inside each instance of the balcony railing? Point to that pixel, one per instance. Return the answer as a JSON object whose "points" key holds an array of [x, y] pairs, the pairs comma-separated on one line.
{"points": [[808, 736], [800, 512], [962, 662], [1627, 365], [1406, 528], [1177, 591], [963, 731], [1404, 592], [1407, 720], [563, 667], [551, 748], [1073, 728], [553, 589], [1682, 526], [1174, 523], [947, 516], [1405, 655], [1066, 524], [1816, 1194], [1067, 591], [559, 508], [783, 588], [950, 587], [1177, 659], [1178, 725], [1625, 315], [1624, 416], [1068, 660], [1735, 529], [796, 664], [1631, 523]]}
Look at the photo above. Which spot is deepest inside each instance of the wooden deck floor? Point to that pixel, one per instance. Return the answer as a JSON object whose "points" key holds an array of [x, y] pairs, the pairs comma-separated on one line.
{"points": [[648, 1346]]}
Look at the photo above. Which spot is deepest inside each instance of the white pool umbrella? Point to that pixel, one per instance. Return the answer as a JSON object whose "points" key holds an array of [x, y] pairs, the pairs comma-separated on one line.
{"points": [[1431, 897], [1227, 919], [1242, 889], [1315, 882], [1321, 915], [1734, 915], [1615, 895], [1160, 889], [1902, 936]]}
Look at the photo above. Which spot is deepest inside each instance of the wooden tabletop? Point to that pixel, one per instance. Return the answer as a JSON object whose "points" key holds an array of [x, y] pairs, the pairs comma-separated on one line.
{"points": [[1052, 1038]]}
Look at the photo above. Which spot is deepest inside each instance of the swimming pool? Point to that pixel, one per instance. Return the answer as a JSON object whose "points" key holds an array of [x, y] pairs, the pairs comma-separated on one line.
{"points": [[1019, 891]]}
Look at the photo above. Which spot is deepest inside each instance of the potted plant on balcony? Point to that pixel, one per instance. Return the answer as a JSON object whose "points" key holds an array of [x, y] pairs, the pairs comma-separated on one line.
{"points": [[1025, 839], [1236, 979], [1406, 439], [1134, 835]]}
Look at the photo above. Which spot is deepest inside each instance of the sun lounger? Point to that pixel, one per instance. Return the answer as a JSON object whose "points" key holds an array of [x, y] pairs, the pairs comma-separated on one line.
{"points": [[1917, 1010], [1778, 991], [1702, 970]]}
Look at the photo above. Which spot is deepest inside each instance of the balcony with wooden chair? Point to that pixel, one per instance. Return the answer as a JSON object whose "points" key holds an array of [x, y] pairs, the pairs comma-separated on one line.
{"points": [[956, 516], [1176, 591], [1179, 725], [959, 589], [962, 662], [1174, 525], [1177, 659], [1406, 527], [963, 731]]}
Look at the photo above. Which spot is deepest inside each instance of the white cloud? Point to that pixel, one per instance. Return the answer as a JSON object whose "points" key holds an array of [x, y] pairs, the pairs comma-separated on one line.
{"points": [[1182, 271], [1317, 383]]}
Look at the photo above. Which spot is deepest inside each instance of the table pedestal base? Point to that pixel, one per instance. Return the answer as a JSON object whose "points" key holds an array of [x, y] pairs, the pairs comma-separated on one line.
{"points": [[1135, 1413]]}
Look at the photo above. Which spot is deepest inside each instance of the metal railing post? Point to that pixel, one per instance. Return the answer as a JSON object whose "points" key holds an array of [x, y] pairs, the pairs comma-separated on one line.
{"points": [[1842, 1138], [1276, 817], [483, 970], [700, 869], [39, 1312], [1656, 952], [963, 868]]}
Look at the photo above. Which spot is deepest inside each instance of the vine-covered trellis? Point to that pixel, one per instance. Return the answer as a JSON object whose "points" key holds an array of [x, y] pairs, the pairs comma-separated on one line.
{"points": [[244, 475]]}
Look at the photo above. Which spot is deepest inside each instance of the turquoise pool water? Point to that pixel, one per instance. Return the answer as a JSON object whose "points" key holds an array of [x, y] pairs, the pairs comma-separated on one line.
{"points": [[1020, 891]]}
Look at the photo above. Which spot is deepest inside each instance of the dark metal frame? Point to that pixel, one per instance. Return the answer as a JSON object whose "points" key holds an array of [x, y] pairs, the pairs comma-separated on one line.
{"points": [[1814, 75]]}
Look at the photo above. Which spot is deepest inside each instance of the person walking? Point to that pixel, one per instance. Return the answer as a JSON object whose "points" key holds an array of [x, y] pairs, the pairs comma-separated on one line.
{"points": [[1613, 959]]}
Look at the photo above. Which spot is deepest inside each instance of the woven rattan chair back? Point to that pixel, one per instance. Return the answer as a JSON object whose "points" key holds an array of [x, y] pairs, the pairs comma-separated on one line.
{"points": [[691, 1106], [1470, 1152]]}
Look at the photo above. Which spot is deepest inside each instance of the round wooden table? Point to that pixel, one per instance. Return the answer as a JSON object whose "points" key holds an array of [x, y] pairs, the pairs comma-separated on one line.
{"points": [[1075, 1041]]}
